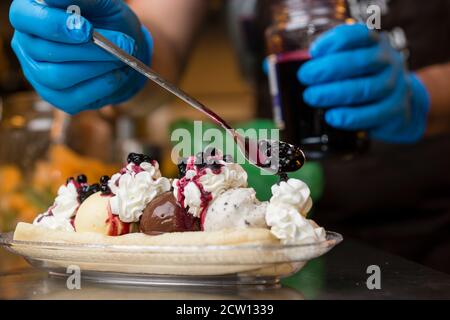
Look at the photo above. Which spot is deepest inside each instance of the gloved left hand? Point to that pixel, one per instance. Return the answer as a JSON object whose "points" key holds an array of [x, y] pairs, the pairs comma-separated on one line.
{"points": [[362, 80]]}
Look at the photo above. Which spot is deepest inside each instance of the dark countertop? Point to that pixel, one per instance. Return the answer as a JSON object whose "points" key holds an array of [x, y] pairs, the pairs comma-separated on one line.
{"points": [[341, 274]]}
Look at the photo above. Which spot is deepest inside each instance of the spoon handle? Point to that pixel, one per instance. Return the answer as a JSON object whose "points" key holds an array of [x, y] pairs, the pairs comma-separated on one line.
{"points": [[145, 70]]}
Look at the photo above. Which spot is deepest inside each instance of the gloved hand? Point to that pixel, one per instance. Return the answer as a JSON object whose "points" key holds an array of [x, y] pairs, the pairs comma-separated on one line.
{"points": [[363, 81], [63, 65]]}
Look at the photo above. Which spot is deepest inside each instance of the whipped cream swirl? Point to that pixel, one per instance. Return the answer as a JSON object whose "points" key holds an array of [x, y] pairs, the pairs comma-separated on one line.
{"points": [[294, 193], [58, 216], [134, 187], [286, 214], [200, 186]]}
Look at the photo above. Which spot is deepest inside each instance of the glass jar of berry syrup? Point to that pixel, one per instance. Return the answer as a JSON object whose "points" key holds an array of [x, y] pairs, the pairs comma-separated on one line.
{"points": [[295, 25]]}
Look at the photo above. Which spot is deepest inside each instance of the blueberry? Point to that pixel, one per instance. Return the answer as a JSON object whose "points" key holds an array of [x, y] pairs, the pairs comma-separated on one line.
{"points": [[291, 158], [104, 180], [131, 157], [105, 189], [86, 191], [82, 179], [146, 158], [137, 158]]}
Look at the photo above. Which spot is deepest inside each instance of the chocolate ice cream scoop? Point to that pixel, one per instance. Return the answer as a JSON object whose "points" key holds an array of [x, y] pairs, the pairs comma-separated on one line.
{"points": [[164, 215]]}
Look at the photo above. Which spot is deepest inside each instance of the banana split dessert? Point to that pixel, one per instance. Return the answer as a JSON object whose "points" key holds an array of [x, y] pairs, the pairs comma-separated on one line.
{"points": [[207, 222]]}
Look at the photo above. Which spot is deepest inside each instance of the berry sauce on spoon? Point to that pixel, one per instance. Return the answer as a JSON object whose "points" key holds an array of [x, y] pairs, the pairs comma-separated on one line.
{"points": [[276, 157]]}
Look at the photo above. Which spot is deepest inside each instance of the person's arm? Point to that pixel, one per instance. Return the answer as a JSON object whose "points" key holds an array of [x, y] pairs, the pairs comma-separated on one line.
{"points": [[173, 25], [60, 61], [437, 81]]}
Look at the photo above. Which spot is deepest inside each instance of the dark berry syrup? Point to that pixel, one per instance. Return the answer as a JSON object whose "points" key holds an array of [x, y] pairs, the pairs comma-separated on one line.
{"points": [[302, 124]]}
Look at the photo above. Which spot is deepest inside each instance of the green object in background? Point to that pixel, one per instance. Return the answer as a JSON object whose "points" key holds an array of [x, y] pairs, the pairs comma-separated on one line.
{"points": [[311, 173], [8, 221]]}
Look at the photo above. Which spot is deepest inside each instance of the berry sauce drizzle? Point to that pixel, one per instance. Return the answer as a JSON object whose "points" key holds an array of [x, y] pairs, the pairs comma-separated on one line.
{"points": [[291, 158], [200, 166], [48, 214], [116, 226], [72, 223]]}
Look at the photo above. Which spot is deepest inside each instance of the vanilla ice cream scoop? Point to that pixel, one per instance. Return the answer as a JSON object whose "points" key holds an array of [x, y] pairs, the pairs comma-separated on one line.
{"points": [[235, 209], [94, 215]]}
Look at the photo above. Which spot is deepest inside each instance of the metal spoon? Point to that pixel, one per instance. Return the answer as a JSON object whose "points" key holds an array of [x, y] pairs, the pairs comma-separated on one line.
{"points": [[289, 158]]}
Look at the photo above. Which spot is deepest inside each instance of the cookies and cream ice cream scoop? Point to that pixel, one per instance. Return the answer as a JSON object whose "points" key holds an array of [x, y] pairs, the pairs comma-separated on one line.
{"points": [[205, 180], [236, 209]]}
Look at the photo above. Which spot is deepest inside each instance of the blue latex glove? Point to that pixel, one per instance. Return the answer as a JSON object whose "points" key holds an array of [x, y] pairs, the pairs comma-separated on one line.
{"points": [[363, 80], [63, 65]]}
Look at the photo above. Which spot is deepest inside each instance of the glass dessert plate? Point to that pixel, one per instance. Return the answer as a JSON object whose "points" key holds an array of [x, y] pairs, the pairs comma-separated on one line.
{"points": [[225, 265]]}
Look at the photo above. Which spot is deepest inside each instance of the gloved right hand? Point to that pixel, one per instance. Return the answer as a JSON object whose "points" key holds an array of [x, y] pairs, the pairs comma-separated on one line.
{"points": [[362, 80], [63, 65]]}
